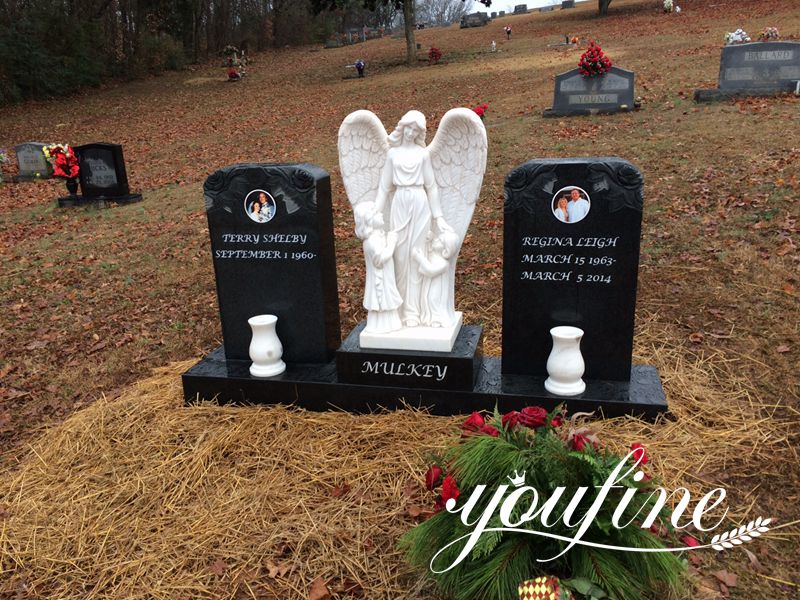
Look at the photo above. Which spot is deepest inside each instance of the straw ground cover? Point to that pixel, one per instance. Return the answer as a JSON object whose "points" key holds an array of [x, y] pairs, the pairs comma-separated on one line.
{"points": [[140, 496], [93, 299]]}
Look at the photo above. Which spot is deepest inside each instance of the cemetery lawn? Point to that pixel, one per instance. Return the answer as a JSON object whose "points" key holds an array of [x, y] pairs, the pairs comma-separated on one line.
{"points": [[94, 299]]}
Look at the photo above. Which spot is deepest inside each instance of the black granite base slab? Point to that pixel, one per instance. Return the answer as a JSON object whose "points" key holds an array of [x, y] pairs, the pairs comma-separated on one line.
{"points": [[316, 387], [716, 94], [85, 200], [454, 370]]}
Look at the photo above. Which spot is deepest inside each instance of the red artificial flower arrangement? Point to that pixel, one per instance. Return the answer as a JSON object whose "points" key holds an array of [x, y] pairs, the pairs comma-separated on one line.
{"points": [[480, 110], [593, 62], [63, 159], [434, 55]]}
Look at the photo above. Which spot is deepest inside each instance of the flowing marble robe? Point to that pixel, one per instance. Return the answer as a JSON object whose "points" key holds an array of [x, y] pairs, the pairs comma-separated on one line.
{"points": [[410, 215]]}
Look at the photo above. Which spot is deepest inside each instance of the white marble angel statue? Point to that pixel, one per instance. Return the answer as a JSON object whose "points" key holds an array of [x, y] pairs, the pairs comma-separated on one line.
{"points": [[426, 196]]}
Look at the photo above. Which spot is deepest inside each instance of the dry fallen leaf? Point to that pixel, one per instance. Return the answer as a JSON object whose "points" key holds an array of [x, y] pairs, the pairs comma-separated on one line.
{"points": [[726, 578], [218, 567], [319, 590], [696, 337]]}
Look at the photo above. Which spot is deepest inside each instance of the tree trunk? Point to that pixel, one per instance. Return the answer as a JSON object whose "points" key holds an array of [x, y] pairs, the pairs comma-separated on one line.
{"points": [[602, 6], [410, 23]]}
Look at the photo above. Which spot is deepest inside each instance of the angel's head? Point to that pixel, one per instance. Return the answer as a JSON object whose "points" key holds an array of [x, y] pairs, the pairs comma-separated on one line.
{"points": [[411, 127]]}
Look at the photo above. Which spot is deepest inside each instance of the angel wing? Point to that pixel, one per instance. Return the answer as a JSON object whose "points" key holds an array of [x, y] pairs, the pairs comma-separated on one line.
{"points": [[363, 144], [458, 157]]}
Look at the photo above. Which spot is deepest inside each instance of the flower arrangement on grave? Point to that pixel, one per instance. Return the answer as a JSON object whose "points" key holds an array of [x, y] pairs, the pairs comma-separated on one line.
{"points": [[480, 110], [769, 34], [546, 453], [593, 62], [668, 6], [434, 55], [737, 37], [230, 50], [63, 159], [65, 164]]}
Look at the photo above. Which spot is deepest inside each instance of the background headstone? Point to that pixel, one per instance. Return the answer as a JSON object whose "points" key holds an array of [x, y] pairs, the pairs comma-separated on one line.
{"points": [[102, 172], [520, 9], [760, 65], [582, 274], [546, 9], [579, 95], [283, 264], [567, 4], [31, 161]]}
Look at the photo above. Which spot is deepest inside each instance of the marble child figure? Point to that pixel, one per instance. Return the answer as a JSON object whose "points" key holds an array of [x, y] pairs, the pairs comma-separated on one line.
{"points": [[381, 298], [437, 310], [418, 200]]}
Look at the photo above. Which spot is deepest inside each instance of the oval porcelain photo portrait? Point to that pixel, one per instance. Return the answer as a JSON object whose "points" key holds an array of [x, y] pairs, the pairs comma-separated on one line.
{"points": [[260, 206], [571, 204]]}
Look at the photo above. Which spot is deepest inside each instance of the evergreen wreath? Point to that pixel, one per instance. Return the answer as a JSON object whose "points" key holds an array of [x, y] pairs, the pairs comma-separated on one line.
{"points": [[551, 452]]}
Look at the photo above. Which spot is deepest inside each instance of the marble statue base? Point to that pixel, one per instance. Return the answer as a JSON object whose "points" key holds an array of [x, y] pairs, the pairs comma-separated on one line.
{"points": [[425, 339]]}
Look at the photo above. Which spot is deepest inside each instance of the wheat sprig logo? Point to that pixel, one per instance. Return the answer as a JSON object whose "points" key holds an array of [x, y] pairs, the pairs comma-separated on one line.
{"points": [[739, 535]]}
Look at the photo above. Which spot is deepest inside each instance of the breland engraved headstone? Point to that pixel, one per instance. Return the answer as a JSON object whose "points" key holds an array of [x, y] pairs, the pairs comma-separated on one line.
{"points": [[758, 68], [31, 161], [271, 230], [578, 95], [571, 261]]}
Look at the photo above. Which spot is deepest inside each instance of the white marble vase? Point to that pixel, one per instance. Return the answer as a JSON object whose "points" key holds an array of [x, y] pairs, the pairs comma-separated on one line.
{"points": [[266, 349], [565, 364]]}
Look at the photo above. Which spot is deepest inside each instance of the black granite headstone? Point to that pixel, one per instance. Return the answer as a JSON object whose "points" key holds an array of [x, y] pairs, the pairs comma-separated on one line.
{"points": [[103, 175], [272, 244], [581, 272], [520, 9], [578, 95], [31, 161], [567, 4]]}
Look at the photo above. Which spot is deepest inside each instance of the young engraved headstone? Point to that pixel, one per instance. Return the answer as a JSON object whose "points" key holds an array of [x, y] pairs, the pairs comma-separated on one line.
{"points": [[578, 95], [271, 230], [31, 161], [571, 257], [754, 69]]}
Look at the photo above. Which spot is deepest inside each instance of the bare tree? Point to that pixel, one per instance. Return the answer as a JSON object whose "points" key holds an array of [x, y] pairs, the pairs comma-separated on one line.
{"points": [[441, 13]]}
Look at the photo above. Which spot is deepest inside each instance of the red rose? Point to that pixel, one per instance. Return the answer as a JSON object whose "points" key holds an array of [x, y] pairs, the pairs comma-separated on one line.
{"points": [[510, 420], [438, 506], [433, 477], [449, 489], [489, 430], [580, 441], [557, 421], [639, 451], [474, 422], [533, 416], [690, 541]]}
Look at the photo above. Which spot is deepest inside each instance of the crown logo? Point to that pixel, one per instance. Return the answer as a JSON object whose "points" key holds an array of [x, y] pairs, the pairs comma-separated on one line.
{"points": [[518, 479]]}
